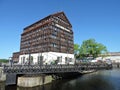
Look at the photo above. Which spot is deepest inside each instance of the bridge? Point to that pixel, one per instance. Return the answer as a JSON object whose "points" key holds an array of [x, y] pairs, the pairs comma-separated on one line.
{"points": [[56, 71], [50, 69]]}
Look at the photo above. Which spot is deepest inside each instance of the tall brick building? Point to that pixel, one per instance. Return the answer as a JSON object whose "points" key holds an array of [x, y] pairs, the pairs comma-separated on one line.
{"points": [[47, 41]]}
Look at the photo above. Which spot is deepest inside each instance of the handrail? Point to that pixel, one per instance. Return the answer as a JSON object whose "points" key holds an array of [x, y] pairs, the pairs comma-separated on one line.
{"points": [[28, 69]]}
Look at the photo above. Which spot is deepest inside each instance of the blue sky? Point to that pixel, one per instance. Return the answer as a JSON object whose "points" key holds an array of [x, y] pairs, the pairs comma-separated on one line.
{"points": [[98, 19]]}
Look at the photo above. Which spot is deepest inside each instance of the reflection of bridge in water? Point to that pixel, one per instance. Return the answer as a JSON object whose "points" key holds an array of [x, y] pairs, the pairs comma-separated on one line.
{"points": [[56, 71]]}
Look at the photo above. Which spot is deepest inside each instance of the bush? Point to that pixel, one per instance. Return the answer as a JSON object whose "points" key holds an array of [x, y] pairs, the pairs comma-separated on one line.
{"points": [[4, 60]]}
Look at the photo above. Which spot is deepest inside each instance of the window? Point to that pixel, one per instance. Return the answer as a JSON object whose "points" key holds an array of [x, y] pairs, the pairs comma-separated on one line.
{"points": [[53, 36], [59, 59], [40, 60]]}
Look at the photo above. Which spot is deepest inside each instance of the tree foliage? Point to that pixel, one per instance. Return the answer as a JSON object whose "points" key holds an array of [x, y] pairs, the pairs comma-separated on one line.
{"points": [[76, 50], [90, 48], [4, 60]]}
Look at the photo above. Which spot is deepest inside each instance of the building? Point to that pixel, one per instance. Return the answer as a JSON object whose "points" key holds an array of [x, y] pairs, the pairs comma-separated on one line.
{"points": [[48, 41], [15, 57], [114, 57]]}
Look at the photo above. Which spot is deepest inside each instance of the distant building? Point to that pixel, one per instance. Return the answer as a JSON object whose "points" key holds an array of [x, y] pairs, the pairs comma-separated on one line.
{"points": [[113, 56], [48, 41], [15, 57]]}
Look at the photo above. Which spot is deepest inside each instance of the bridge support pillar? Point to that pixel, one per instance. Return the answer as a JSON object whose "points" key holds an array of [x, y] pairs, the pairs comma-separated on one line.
{"points": [[11, 79], [2, 75], [32, 81]]}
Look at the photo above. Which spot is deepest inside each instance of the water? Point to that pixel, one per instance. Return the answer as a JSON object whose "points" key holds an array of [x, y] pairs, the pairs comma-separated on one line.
{"points": [[101, 80]]}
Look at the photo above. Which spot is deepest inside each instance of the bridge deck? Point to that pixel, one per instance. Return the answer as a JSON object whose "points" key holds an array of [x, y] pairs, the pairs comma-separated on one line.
{"points": [[49, 69]]}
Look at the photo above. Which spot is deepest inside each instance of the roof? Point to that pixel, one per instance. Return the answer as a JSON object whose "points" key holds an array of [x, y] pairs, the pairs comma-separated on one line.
{"points": [[55, 14]]}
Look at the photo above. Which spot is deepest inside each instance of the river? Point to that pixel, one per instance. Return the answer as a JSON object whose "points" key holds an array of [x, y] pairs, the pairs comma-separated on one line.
{"points": [[100, 80]]}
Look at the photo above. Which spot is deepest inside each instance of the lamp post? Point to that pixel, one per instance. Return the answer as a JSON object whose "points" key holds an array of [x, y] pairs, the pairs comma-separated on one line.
{"points": [[40, 58], [10, 61], [29, 56]]}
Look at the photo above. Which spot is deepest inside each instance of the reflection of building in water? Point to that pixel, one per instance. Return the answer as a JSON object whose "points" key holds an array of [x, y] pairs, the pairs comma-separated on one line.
{"points": [[49, 40], [2, 85], [41, 87]]}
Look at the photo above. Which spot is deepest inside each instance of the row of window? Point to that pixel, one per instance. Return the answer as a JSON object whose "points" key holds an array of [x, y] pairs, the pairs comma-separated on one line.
{"points": [[35, 33], [40, 23], [61, 31], [46, 45], [47, 39], [59, 20], [40, 59], [51, 47], [46, 42]]}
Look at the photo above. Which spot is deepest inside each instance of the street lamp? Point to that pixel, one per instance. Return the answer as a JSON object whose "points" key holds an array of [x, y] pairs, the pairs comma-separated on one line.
{"points": [[10, 61], [29, 57], [40, 57]]}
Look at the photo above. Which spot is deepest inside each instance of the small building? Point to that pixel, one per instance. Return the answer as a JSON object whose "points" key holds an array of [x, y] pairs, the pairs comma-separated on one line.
{"points": [[15, 57], [114, 57], [48, 41]]}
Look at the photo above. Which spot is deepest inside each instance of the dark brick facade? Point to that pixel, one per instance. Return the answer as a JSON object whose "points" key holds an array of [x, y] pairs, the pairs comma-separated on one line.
{"points": [[15, 57], [51, 34]]}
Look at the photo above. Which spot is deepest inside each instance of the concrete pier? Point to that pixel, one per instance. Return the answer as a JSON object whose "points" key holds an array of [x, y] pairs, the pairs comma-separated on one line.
{"points": [[32, 81], [2, 75]]}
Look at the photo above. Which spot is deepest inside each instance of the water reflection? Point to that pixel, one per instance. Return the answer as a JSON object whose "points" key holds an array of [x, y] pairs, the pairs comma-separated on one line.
{"points": [[2, 85], [90, 82], [87, 82], [102, 80]]}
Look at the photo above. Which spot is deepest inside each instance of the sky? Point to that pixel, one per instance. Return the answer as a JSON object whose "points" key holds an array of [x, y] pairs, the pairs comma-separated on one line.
{"points": [[97, 19]]}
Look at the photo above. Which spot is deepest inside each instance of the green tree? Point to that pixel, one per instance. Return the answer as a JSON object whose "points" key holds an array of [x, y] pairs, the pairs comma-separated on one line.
{"points": [[4, 60], [90, 48], [76, 50]]}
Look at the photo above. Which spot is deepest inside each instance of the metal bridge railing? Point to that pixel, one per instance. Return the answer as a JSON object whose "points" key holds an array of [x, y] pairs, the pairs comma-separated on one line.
{"points": [[38, 69]]}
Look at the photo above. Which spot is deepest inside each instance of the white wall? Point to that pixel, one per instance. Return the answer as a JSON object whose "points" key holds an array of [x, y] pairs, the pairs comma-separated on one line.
{"points": [[115, 59], [49, 57]]}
